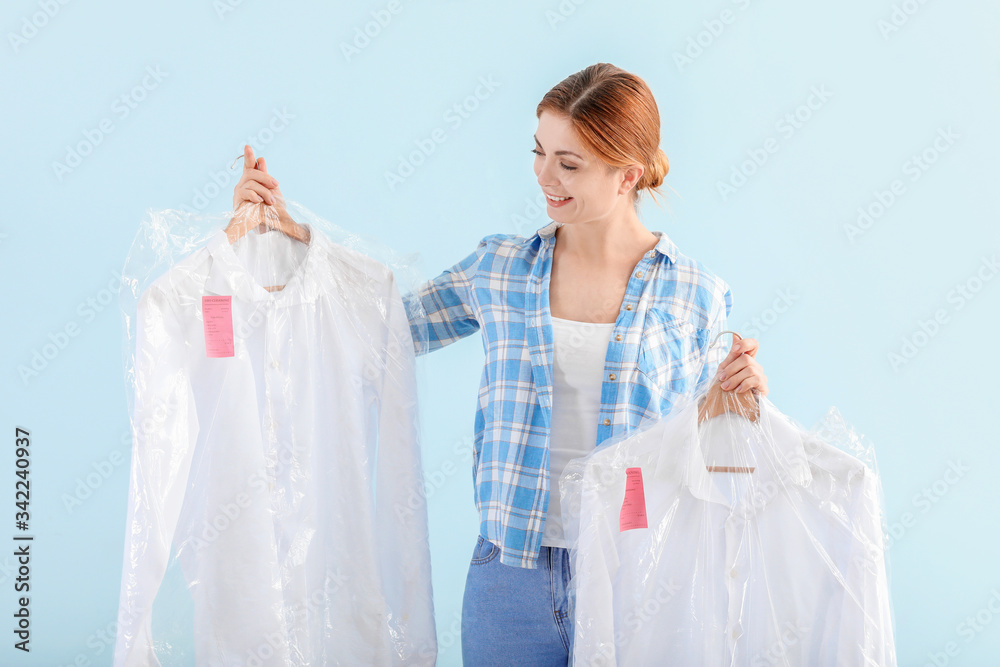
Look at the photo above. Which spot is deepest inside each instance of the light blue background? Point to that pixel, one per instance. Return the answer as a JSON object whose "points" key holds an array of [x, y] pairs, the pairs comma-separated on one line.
{"points": [[852, 302]]}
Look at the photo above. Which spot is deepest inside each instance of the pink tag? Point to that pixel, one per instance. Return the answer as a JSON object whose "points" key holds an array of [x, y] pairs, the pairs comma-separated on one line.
{"points": [[217, 312], [633, 514]]}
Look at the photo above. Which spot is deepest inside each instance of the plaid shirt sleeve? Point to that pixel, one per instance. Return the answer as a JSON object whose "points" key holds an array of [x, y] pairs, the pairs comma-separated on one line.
{"points": [[719, 320], [441, 311]]}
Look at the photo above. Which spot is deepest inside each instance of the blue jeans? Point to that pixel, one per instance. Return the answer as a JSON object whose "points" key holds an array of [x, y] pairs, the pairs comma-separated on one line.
{"points": [[513, 615]]}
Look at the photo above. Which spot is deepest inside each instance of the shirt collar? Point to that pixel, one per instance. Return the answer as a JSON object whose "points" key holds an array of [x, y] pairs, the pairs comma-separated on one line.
{"points": [[772, 446], [228, 276], [664, 246]]}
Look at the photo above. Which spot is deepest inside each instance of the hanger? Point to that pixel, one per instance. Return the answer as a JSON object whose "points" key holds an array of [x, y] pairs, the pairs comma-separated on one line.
{"points": [[716, 402], [276, 220]]}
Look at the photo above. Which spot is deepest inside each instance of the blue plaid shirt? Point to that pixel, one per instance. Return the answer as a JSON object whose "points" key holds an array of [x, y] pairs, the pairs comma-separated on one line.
{"points": [[672, 310]]}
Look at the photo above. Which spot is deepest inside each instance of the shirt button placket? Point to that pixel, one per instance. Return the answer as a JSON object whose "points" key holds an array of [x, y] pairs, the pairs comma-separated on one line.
{"points": [[271, 385], [735, 578]]}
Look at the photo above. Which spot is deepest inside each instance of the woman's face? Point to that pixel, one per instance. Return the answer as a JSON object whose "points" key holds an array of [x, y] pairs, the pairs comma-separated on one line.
{"points": [[578, 186]]}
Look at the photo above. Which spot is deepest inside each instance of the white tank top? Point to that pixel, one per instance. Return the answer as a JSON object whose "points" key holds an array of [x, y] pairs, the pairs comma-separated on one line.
{"points": [[579, 352]]}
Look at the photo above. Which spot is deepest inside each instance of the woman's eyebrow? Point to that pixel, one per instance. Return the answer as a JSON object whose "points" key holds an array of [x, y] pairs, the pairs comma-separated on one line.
{"points": [[559, 152]]}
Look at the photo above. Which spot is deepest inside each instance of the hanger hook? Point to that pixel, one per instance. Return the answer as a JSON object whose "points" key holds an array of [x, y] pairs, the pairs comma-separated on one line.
{"points": [[234, 161], [720, 336]]}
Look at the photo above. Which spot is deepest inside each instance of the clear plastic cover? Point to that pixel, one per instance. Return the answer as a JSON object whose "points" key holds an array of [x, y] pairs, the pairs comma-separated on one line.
{"points": [[726, 534], [275, 511]]}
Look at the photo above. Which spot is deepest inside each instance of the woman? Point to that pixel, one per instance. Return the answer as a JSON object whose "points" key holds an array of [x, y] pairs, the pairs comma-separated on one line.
{"points": [[592, 326]]}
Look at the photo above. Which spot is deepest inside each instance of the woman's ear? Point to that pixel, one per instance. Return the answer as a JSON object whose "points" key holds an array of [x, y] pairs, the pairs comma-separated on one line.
{"points": [[630, 176]]}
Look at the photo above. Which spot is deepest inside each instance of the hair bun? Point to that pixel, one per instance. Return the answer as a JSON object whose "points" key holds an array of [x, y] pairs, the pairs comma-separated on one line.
{"points": [[657, 171]]}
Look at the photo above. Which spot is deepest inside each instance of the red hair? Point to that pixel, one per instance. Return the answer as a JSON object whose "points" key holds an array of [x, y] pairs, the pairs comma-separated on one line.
{"points": [[614, 114]]}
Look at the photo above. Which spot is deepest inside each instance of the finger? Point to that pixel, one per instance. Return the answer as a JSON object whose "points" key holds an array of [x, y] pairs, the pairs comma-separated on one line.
{"points": [[749, 346], [248, 159], [261, 177], [734, 367], [261, 190], [735, 380], [739, 345], [247, 196], [262, 166], [752, 382]]}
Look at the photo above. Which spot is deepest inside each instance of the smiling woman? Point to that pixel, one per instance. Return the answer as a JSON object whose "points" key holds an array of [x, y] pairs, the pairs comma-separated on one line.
{"points": [[592, 326], [613, 115]]}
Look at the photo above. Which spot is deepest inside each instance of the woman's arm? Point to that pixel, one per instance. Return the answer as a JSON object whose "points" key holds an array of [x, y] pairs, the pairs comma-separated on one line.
{"points": [[442, 310]]}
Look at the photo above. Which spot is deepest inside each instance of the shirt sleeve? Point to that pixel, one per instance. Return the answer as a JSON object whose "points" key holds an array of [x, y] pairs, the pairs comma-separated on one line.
{"points": [[594, 561], [715, 355], [401, 512], [164, 430], [443, 310], [866, 627]]}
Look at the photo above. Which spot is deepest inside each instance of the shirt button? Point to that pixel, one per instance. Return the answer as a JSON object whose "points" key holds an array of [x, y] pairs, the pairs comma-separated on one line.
{"points": [[638, 274], [607, 422], [628, 307], [611, 377], [618, 337], [733, 573], [275, 364], [736, 634]]}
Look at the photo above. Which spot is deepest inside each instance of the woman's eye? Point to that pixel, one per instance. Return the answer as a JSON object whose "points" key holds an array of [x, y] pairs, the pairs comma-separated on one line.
{"points": [[564, 166]]}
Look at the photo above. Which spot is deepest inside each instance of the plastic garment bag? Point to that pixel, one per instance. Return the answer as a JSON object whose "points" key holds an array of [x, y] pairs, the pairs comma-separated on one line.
{"points": [[274, 512], [723, 534]]}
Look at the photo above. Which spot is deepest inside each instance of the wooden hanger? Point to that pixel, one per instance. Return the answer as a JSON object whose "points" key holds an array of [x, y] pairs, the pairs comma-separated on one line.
{"points": [[718, 401], [279, 221], [267, 217]]}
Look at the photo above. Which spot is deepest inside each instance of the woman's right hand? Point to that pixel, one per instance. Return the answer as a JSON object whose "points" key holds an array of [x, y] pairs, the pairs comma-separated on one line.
{"points": [[256, 185]]}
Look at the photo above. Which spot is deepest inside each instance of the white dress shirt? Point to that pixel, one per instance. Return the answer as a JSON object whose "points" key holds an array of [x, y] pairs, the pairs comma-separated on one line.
{"points": [[579, 351], [284, 476], [783, 565]]}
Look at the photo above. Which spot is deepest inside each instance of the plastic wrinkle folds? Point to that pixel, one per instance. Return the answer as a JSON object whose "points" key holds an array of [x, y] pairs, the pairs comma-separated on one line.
{"points": [[762, 543], [275, 462]]}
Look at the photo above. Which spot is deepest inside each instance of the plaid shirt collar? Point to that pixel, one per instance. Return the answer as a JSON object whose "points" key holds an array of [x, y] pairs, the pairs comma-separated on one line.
{"points": [[664, 245]]}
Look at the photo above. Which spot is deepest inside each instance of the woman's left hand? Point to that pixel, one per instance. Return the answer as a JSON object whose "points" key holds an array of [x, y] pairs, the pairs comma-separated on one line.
{"points": [[739, 371]]}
